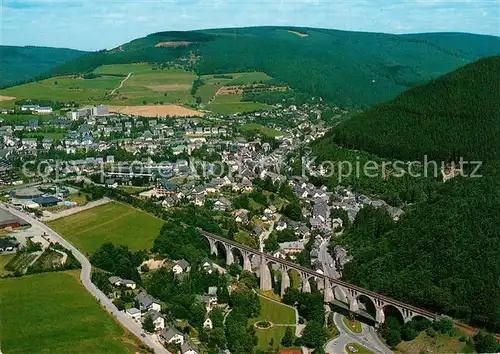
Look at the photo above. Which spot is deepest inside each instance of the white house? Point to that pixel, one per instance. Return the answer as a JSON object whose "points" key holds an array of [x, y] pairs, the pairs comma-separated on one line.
{"points": [[147, 302], [157, 318], [189, 348], [208, 323], [172, 335], [181, 267], [117, 281], [134, 313]]}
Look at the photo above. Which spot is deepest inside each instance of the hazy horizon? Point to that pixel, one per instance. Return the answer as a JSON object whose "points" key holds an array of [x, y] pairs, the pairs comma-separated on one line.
{"points": [[95, 25]]}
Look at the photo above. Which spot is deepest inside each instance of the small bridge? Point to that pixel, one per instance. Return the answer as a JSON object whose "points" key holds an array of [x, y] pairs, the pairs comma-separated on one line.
{"points": [[334, 290]]}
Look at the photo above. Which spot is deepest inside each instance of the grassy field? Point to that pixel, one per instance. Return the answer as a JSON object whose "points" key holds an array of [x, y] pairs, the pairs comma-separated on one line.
{"points": [[274, 312], [212, 83], [114, 223], [277, 314], [20, 118], [4, 259], [144, 85], [262, 129], [46, 135], [230, 104], [53, 313], [441, 343], [65, 88]]}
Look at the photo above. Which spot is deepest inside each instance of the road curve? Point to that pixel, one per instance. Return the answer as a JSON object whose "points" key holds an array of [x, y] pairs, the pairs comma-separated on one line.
{"points": [[123, 318]]}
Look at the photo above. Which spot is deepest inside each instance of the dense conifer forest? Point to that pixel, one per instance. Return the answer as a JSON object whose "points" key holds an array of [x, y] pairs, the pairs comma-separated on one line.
{"points": [[443, 254]]}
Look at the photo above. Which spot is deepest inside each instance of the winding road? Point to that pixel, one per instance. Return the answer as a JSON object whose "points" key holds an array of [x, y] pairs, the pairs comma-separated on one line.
{"points": [[368, 338], [123, 318]]}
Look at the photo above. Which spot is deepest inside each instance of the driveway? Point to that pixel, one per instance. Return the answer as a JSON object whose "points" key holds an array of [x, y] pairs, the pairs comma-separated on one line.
{"points": [[123, 318]]}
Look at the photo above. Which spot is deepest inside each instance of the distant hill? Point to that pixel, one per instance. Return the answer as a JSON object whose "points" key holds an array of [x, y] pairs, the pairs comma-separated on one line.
{"points": [[18, 64], [455, 115], [351, 69]]}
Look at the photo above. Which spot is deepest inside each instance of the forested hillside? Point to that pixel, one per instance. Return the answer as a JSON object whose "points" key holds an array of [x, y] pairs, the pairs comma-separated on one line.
{"points": [[443, 254], [18, 64], [457, 115], [351, 69]]}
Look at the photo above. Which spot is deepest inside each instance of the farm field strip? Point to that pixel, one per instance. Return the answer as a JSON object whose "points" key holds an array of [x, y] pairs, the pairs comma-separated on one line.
{"points": [[112, 222], [53, 312]]}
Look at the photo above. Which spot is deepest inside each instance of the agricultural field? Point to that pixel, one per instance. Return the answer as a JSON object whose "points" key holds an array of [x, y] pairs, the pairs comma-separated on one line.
{"points": [[114, 223], [54, 313], [232, 104], [277, 314], [212, 83], [261, 129], [65, 88]]}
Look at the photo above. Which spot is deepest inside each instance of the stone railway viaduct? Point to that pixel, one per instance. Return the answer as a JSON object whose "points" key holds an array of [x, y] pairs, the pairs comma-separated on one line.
{"points": [[333, 289]]}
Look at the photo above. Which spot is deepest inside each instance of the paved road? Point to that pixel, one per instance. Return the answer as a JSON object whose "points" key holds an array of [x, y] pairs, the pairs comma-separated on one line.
{"points": [[326, 259], [67, 212], [266, 234], [365, 338], [123, 318]]}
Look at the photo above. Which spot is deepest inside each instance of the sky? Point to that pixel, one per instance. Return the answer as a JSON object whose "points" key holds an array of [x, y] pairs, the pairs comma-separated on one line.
{"points": [[105, 24]]}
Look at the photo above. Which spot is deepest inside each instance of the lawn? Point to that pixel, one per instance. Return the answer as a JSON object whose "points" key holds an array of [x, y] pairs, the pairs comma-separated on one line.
{"points": [[274, 312], [46, 135], [54, 313], [114, 223], [21, 118], [4, 259], [353, 325], [262, 129], [277, 314], [264, 337]]}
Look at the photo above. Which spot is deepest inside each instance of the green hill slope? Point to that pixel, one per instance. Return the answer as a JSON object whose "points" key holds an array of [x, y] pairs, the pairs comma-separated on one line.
{"points": [[18, 64], [443, 253], [353, 69], [457, 115]]}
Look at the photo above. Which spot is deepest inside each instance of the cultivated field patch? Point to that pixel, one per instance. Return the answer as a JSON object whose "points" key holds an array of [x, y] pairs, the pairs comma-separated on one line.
{"points": [[6, 98], [110, 223], [54, 313], [170, 110]]}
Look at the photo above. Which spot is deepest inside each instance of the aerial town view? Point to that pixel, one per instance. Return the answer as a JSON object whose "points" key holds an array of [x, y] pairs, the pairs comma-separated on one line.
{"points": [[250, 177]]}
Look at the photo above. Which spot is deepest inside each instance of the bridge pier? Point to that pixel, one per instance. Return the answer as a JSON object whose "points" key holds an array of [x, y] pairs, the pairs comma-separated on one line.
{"points": [[229, 256], [353, 305], [265, 276], [247, 265], [328, 295], [285, 282], [306, 286], [213, 247]]}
